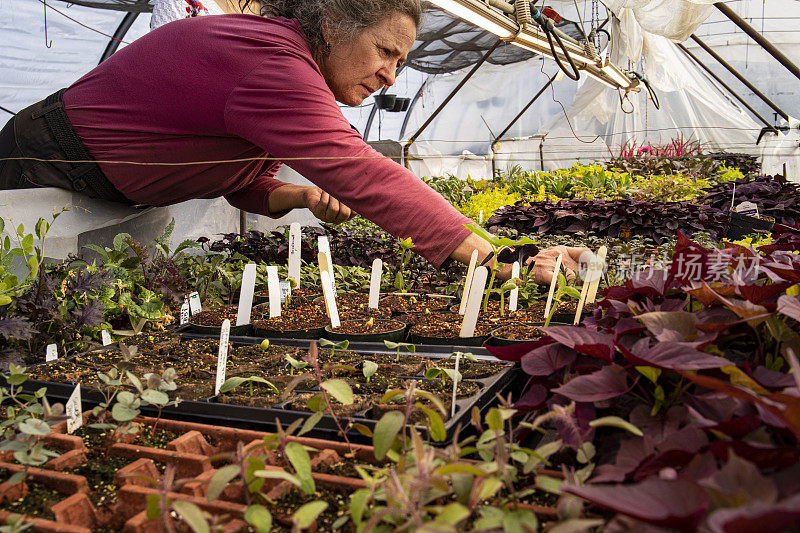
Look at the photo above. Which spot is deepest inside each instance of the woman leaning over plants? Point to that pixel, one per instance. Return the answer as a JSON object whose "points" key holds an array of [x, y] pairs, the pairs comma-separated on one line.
{"points": [[235, 96]]}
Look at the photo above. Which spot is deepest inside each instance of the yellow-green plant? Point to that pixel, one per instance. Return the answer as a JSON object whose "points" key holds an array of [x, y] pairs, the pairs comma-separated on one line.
{"points": [[488, 201]]}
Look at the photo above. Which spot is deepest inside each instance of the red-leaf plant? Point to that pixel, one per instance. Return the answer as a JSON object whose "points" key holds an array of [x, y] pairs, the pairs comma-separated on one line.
{"points": [[700, 364]]}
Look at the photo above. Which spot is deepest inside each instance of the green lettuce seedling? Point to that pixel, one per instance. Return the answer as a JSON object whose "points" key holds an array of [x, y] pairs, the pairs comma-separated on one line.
{"points": [[397, 345]]}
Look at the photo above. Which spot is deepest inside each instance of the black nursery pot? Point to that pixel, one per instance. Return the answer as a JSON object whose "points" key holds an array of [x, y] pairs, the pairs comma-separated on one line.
{"points": [[385, 101], [243, 330], [310, 333], [447, 341], [497, 338], [394, 335], [743, 225]]}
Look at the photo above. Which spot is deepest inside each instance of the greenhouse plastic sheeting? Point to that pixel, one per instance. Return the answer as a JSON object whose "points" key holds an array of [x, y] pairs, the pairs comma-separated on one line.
{"points": [[781, 153], [691, 105], [673, 19]]}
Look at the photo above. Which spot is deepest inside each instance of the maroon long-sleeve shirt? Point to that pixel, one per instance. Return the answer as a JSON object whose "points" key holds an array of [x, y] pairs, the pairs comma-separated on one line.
{"points": [[210, 89]]}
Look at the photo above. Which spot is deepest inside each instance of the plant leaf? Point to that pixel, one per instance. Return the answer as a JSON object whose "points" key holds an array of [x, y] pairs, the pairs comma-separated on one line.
{"points": [[192, 515], [617, 422], [339, 389], [220, 480], [386, 429], [309, 512], [608, 382], [301, 462]]}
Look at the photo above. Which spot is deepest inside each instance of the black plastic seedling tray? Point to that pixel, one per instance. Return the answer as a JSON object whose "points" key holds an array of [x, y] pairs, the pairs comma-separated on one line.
{"points": [[264, 419]]}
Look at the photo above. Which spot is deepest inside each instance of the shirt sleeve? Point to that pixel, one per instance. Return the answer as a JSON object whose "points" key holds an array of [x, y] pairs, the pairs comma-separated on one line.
{"points": [[254, 198], [285, 107]]}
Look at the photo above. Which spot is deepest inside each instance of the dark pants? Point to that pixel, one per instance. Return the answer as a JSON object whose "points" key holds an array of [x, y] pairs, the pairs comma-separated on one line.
{"points": [[38, 140]]}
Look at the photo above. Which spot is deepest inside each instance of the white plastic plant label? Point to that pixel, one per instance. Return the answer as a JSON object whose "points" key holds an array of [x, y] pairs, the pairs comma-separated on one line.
{"points": [[455, 386], [747, 208], [194, 303], [513, 296], [474, 302], [246, 294], [553, 285], [184, 312], [375, 283], [596, 268], [324, 247], [105, 337], [330, 300], [222, 354], [51, 353], [74, 410], [286, 290], [581, 303], [295, 243], [274, 289], [473, 260], [480, 216], [324, 262]]}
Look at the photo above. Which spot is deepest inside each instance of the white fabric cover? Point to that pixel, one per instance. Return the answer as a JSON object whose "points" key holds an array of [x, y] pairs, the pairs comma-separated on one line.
{"points": [[165, 11]]}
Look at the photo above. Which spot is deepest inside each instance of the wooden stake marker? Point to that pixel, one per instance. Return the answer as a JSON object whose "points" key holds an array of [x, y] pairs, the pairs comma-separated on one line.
{"points": [[513, 296], [474, 302], [473, 260], [553, 285], [274, 289], [246, 294], [375, 283], [222, 354], [295, 234], [581, 303], [599, 263], [330, 299]]}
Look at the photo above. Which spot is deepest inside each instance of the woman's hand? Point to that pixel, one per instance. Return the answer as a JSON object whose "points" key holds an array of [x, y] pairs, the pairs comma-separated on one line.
{"points": [[325, 207]]}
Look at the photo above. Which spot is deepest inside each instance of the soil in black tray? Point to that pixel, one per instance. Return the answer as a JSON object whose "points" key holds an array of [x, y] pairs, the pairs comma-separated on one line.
{"points": [[344, 468], [443, 388], [309, 316], [377, 384], [262, 396], [367, 326], [251, 359], [469, 369], [298, 403], [414, 304], [520, 332], [102, 359], [569, 307], [153, 342], [447, 325], [338, 502], [37, 503], [63, 372], [353, 305], [216, 316]]}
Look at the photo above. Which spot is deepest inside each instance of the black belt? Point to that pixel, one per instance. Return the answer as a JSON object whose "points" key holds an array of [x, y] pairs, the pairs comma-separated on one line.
{"points": [[81, 175]]}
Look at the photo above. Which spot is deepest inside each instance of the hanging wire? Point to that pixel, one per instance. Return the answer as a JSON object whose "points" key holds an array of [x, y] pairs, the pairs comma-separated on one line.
{"points": [[46, 5], [44, 9]]}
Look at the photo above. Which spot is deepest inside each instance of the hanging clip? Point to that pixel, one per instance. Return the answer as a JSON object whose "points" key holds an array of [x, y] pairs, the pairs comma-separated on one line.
{"points": [[48, 44]]}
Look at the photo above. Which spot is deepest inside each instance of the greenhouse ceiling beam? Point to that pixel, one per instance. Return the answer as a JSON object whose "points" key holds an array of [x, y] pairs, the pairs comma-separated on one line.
{"points": [[760, 39], [447, 100], [414, 100], [726, 86], [116, 39], [739, 77], [519, 115]]}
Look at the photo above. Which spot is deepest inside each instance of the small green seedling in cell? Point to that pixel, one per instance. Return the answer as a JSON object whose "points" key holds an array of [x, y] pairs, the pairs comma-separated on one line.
{"points": [[509, 285], [341, 345], [264, 345], [563, 290], [236, 381], [405, 257], [436, 372], [295, 364], [397, 345], [498, 244], [369, 369]]}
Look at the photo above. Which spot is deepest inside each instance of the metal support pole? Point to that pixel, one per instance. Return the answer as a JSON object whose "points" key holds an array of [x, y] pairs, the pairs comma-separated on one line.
{"points": [[414, 101], [739, 77], [447, 100], [122, 29], [727, 88], [519, 115], [760, 39]]}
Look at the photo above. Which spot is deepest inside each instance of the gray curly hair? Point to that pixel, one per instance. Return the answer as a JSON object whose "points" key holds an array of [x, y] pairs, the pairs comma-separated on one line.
{"points": [[343, 19]]}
